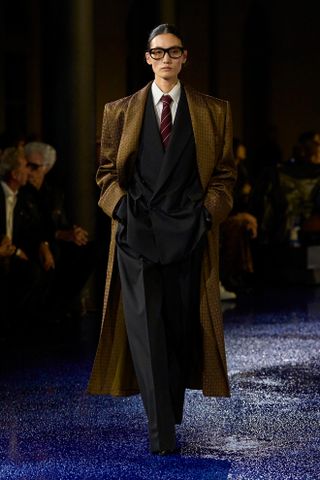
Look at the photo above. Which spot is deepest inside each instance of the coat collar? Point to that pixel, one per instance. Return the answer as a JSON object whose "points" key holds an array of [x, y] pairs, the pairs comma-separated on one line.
{"points": [[129, 144], [204, 131]]}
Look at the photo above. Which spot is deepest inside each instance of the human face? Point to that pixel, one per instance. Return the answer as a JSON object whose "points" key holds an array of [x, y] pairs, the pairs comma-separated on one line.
{"points": [[37, 169], [21, 172], [166, 69]]}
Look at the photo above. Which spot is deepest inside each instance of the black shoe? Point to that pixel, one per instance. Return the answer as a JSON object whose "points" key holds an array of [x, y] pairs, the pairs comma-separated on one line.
{"points": [[164, 452]]}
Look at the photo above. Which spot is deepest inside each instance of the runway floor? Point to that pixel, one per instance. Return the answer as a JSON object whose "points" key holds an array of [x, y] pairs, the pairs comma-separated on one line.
{"points": [[269, 429]]}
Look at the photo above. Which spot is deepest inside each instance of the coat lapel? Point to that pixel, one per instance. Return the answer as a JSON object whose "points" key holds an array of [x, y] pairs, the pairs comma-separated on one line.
{"points": [[204, 131], [152, 130], [129, 144]]}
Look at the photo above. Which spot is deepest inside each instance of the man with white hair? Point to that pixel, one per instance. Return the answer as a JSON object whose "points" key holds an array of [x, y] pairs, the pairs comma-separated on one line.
{"points": [[68, 244], [41, 157], [20, 239]]}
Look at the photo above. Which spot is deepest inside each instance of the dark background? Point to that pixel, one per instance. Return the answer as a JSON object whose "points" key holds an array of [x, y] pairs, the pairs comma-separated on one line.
{"points": [[61, 61]]}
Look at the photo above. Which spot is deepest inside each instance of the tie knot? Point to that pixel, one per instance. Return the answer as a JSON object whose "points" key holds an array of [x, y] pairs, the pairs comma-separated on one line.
{"points": [[166, 99]]}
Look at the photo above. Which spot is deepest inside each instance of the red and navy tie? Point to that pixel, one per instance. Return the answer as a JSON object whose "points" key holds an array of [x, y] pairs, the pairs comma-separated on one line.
{"points": [[166, 120]]}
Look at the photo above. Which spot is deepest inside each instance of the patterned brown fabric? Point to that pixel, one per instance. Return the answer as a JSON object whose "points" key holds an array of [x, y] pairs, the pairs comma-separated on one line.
{"points": [[113, 372]]}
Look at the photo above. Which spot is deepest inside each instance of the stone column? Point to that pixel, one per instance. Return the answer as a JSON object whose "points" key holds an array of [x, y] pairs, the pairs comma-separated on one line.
{"points": [[167, 11], [69, 103], [2, 62]]}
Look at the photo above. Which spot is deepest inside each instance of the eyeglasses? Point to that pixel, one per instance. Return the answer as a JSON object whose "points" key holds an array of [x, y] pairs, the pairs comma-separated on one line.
{"points": [[173, 52], [34, 166]]}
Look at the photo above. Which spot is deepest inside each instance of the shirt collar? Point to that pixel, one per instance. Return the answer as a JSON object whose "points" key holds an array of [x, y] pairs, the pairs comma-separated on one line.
{"points": [[174, 92], [7, 190]]}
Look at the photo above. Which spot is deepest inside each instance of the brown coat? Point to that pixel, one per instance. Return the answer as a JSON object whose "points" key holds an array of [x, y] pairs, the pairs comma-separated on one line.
{"points": [[212, 126]]}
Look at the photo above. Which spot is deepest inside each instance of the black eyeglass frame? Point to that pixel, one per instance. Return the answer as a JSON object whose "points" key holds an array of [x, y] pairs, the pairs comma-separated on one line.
{"points": [[166, 50], [34, 166]]}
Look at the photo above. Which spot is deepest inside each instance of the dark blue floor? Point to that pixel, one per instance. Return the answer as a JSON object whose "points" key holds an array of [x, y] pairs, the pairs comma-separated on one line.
{"points": [[268, 429]]}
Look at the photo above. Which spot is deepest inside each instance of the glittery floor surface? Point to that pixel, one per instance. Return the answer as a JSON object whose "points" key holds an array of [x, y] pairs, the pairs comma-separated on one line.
{"points": [[268, 429]]}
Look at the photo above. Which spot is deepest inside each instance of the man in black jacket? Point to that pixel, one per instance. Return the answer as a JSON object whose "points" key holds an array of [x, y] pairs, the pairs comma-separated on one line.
{"points": [[20, 244]]}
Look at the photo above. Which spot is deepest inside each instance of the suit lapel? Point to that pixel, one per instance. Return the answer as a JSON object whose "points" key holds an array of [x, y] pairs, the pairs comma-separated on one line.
{"points": [[152, 130], [204, 131], [180, 134]]}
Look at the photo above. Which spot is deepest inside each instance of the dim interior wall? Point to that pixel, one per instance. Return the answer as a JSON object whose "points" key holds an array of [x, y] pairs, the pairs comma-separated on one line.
{"points": [[34, 86], [111, 54], [229, 22], [2, 86], [193, 22], [214, 30], [295, 69], [215, 36], [20, 63]]}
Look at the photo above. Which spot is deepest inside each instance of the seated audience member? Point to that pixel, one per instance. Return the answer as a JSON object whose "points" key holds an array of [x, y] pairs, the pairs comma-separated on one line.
{"points": [[288, 201], [73, 253], [238, 231], [299, 151], [243, 185], [302, 193], [20, 243]]}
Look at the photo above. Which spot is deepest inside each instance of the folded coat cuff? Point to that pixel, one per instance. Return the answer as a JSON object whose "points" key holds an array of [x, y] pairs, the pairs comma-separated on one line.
{"points": [[110, 199]]}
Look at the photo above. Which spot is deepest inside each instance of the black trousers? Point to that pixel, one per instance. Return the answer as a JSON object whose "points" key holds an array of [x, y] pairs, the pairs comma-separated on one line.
{"points": [[20, 294], [161, 306]]}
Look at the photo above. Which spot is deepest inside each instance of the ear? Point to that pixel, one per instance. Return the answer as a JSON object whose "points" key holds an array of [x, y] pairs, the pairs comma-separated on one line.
{"points": [[185, 56], [148, 58]]}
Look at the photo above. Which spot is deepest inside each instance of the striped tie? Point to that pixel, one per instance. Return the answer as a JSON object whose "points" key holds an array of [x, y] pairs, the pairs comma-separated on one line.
{"points": [[166, 121]]}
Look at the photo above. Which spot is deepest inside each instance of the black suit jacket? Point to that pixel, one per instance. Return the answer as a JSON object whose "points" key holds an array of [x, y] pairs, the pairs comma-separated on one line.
{"points": [[26, 224], [162, 215]]}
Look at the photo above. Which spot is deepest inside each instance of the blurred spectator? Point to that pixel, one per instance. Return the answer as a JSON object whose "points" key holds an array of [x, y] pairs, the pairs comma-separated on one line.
{"points": [[20, 242], [73, 253], [243, 187], [238, 231], [300, 150], [287, 200]]}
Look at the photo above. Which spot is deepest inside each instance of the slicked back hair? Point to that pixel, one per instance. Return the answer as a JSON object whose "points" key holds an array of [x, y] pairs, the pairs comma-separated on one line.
{"points": [[162, 29]]}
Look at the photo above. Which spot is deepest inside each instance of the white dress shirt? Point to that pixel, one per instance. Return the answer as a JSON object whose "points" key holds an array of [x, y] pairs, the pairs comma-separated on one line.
{"points": [[157, 94], [10, 200]]}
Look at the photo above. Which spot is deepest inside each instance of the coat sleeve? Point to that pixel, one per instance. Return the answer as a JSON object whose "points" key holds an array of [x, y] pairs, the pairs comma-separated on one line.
{"points": [[107, 174], [219, 195]]}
